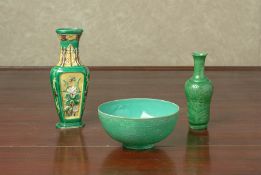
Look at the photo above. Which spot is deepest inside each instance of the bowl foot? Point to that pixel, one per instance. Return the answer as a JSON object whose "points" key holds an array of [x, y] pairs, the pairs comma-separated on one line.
{"points": [[138, 147]]}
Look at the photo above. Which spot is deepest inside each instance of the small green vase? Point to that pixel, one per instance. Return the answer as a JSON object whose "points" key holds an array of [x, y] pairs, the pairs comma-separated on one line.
{"points": [[69, 80], [198, 90]]}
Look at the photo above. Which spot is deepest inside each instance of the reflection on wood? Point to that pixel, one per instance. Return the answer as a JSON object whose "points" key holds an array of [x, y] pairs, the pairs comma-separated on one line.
{"points": [[122, 161], [70, 159], [197, 155]]}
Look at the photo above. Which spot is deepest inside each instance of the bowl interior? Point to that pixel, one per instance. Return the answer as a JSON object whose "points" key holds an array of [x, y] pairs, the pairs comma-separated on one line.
{"points": [[138, 108]]}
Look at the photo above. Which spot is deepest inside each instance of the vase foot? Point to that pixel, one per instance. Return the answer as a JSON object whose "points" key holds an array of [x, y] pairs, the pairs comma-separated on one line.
{"points": [[198, 127], [70, 125], [140, 147]]}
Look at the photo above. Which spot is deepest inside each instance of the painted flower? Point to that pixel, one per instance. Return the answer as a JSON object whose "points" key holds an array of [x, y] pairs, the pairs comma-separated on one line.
{"points": [[68, 110], [71, 79], [72, 97], [75, 109], [72, 91]]}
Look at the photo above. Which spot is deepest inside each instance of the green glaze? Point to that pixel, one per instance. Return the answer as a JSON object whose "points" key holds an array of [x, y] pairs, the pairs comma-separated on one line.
{"points": [[65, 31], [65, 44], [138, 123], [198, 90], [74, 101]]}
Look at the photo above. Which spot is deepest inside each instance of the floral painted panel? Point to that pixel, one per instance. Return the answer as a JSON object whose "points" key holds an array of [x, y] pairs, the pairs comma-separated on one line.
{"points": [[71, 91]]}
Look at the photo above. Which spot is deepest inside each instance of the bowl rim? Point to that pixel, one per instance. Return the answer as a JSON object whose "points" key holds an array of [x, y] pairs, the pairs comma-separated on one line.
{"points": [[129, 118]]}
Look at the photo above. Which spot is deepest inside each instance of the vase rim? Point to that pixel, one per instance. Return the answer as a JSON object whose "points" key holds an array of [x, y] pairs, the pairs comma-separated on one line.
{"points": [[69, 30], [197, 53]]}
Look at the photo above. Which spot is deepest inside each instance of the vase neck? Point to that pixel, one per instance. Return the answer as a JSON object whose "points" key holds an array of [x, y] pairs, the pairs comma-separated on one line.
{"points": [[199, 66], [69, 50]]}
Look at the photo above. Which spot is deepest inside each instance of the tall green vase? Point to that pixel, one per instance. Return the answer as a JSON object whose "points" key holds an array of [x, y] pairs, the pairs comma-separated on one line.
{"points": [[69, 80], [198, 90]]}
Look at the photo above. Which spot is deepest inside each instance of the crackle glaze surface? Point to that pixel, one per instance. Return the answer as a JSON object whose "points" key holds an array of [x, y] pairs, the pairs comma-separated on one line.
{"points": [[69, 80], [198, 90], [138, 123]]}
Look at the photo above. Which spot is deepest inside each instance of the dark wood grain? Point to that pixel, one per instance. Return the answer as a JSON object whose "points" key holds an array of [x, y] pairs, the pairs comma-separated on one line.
{"points": [[30, 144]]}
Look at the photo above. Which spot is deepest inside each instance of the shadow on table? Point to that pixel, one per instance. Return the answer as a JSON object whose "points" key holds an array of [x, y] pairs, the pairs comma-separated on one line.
{"points": [[70, 153], [123, 161], [197, 157]]}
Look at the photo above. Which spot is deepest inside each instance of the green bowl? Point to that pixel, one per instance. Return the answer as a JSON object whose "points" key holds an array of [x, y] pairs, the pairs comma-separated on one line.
{"points": [[138, 123]]}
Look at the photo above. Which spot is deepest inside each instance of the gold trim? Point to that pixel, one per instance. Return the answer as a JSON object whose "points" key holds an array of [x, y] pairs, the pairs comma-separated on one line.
{"points": [[69, 37], [69, 57]]}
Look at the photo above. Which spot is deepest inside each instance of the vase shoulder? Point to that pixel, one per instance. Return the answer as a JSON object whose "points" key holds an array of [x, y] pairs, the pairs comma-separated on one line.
{"points": [[199, 90], [80, 68]]}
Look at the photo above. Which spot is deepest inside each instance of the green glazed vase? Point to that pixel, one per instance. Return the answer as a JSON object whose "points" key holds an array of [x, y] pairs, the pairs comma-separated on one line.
{"points": [[198, 90], [69, 80]]}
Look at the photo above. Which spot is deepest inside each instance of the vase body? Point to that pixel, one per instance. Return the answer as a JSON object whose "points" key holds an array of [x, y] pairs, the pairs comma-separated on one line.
{"points": [[69, 80], [198, 90]]}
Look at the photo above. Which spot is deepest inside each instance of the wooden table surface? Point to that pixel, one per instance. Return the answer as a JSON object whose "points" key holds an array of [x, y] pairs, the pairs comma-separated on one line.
{"points": [[31, 145]]}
